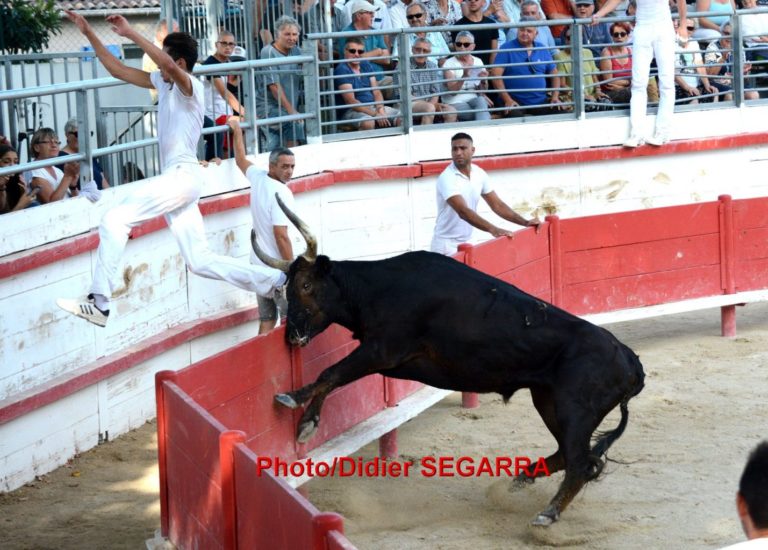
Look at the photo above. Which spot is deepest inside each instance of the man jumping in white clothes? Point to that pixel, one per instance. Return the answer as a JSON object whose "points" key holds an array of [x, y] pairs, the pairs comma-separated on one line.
{"points": [[176, 192], [653, 36]]}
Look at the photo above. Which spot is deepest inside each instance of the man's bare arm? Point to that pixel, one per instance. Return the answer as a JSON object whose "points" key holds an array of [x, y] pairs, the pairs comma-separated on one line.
{"points": [[238, 144], [501, 209], [284, 245], [474, 219]]}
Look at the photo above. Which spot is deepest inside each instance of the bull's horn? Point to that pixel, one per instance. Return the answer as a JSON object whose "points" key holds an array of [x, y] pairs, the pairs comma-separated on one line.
{"points": [[280, 264], [311, 253]]}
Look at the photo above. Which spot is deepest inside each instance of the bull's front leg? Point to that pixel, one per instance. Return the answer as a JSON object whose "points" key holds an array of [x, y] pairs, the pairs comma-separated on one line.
{"points": [[361, 362]]}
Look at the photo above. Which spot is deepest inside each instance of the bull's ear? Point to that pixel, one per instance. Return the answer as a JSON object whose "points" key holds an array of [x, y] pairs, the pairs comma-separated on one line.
{"points": [[323, 265]]}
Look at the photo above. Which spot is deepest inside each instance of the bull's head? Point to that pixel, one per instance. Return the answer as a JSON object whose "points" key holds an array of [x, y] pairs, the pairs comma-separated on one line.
{"points": [[312, 295]]}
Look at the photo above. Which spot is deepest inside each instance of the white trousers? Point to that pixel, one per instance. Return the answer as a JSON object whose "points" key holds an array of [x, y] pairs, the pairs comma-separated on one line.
{"points": [[652, 40], [175, 195], [446, 247]]}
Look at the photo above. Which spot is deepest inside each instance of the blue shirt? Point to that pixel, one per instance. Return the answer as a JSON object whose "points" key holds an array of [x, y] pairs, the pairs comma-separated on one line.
{"points": [[526, 88], [345, 75]]}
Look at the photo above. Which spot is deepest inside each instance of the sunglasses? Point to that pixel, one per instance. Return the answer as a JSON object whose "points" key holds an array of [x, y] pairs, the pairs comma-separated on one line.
{"points": [[73, 133], [414, 16], [463, 44], [421, 50], [691, 28], [618, 34], [353, 50], [229, 44]]}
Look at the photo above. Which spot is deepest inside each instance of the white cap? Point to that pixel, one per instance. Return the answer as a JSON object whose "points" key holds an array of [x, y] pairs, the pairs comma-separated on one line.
{"points": [[361, 5]]}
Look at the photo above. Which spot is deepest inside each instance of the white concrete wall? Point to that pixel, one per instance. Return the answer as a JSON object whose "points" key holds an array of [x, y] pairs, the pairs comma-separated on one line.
{"points": [[371, 219]]}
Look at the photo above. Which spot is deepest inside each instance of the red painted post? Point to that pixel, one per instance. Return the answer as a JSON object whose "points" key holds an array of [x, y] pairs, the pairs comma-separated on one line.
{"points": [[727, 264], [469, 400], [322, 524], [388, 445], [162, 433], [555, 260], [227, 442]]}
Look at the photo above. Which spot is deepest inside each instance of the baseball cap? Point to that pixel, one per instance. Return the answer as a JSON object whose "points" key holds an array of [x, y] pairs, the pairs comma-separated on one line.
{"points": [[585, 2], [361, 5]]}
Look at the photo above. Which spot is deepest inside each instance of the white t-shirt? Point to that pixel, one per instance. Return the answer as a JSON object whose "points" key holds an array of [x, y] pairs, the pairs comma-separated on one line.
{"points": [[754, 544], [44, 174], [265, 211], [469, 87], [215, 105], [653, 11], [179, 121], [753, 25], [451, 182]]}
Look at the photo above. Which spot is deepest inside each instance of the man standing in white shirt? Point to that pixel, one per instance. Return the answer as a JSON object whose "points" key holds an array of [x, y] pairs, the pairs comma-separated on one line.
{"points": [[176, 192], [459, 189], [269, 221]]}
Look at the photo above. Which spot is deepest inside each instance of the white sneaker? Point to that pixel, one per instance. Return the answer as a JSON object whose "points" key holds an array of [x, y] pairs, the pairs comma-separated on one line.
{"points": [[633, 141], [84, 310], [657, 140]]}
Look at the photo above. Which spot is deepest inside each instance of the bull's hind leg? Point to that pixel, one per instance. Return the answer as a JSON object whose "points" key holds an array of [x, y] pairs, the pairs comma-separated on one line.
{"points": [[544, 402]]}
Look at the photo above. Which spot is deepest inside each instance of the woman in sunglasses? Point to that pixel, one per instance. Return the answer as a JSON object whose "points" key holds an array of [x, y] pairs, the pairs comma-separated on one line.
{"points": [[616, 65], [52, 183]]}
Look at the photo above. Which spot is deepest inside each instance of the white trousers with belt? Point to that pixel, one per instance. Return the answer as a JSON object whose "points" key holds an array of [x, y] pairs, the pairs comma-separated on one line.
{"points": [[175, 195], [651, 40]]}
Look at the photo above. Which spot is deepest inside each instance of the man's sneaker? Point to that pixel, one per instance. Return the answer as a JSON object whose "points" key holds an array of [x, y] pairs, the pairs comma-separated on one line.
{"points": [[633, 141], [657, 140], [84, 310]]}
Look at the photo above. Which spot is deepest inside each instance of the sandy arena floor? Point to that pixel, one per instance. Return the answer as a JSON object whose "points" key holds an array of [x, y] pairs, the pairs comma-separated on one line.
{"points": [[672, 485]]}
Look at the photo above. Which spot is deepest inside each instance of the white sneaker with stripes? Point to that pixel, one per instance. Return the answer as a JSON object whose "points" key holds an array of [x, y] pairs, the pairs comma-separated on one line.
{"points": [[84, 310]]}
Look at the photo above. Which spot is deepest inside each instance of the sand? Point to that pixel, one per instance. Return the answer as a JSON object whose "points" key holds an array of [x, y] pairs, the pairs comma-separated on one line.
{"points": [[671, 483]]}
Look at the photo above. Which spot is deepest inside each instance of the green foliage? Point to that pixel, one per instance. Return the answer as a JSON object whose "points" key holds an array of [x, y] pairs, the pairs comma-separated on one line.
{"points": [[26, 25]]}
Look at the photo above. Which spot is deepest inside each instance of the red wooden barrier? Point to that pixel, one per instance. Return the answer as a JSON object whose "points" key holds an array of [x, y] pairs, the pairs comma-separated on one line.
{"points": [[212, 493]]}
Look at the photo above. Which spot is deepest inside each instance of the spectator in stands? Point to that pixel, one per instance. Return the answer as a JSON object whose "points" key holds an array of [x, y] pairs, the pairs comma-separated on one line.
{"points": [[360, 107], [752, 500], [709, 26], [653, 35], [459, 189], [416, 14], [558, 9], [486, 40], [269, 221], [718, 59], [616, 65], [466, 82], [220, 102], [280, 87], [531, 9], [14, 195], [754, 29], [425, 87], [522, 86], [691, 78], [593, 95], [73, 147], [52, 184], [375, 46], [443, 12], [595, 37], [381, 19], [147, 65], [397, 13]]}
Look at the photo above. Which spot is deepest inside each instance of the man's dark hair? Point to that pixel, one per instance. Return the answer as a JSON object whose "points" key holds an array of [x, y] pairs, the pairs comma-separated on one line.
{"points": [[753, 485], [355, 40], [181, 45], [462, 135]]}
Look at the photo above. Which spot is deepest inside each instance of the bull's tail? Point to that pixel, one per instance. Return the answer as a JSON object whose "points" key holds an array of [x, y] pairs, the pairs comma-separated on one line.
{"points": [[606, 439]]}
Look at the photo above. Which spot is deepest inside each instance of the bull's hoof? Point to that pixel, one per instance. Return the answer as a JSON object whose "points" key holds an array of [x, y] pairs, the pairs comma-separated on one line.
{"points": [[520, 482], [543, 520], [307, 430], [286, 400]]}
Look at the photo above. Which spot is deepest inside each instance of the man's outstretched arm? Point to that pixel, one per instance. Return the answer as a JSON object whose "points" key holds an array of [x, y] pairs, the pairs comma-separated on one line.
{"points": [[501, 209], [239, 144], [113, 65]]}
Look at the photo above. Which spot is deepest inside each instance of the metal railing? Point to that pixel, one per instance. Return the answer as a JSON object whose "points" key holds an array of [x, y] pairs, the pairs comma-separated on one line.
{"points": [[132, 145]]}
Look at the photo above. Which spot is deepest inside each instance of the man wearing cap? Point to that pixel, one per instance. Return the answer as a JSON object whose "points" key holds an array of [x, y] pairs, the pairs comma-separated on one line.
{"points": [[362, 20], [594, 37]]}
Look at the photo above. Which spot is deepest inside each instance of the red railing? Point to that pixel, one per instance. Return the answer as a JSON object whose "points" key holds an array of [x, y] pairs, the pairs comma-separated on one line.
{"points": [[211, 495]]}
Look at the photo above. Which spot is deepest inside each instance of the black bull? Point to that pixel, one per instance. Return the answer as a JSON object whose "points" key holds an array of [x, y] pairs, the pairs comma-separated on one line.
{"points": [[426, 317]]}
